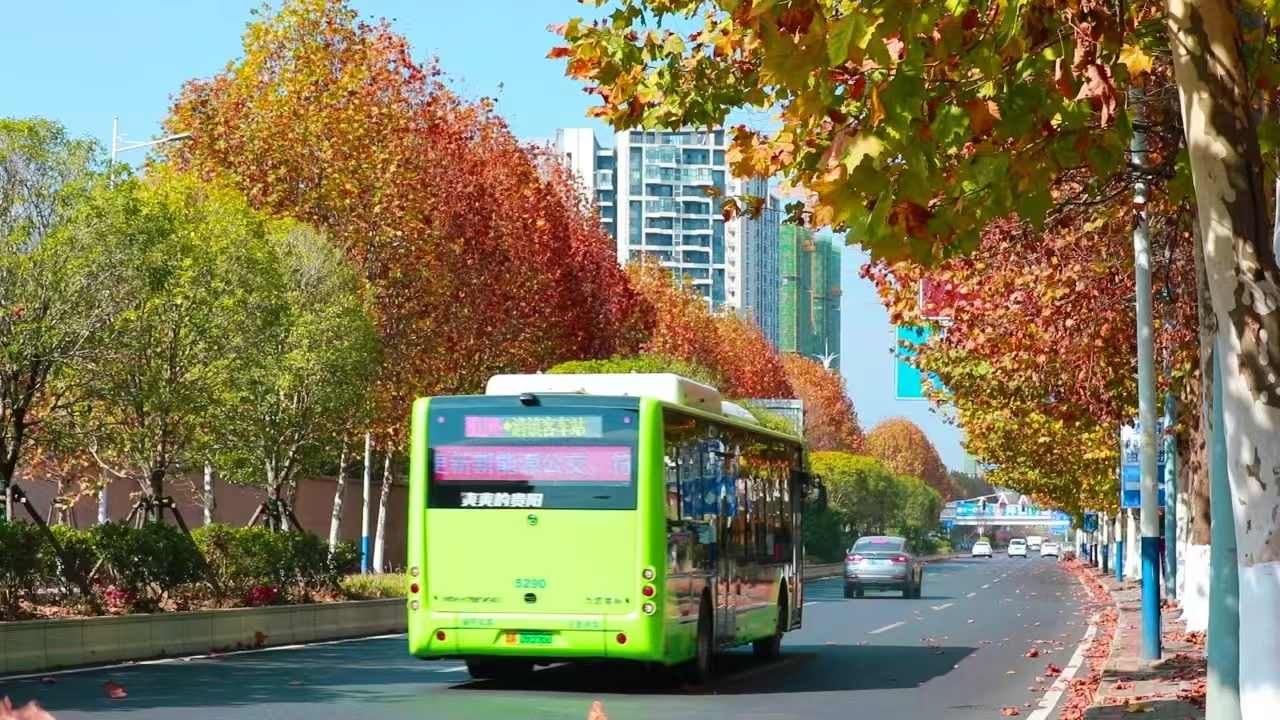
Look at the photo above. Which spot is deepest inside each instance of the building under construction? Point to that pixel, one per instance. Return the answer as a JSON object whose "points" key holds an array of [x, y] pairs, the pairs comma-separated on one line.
{"points": [[809, 322]]}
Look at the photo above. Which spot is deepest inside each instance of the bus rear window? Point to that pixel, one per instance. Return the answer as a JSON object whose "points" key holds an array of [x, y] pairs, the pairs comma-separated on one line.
{"points": [[532, 458]]}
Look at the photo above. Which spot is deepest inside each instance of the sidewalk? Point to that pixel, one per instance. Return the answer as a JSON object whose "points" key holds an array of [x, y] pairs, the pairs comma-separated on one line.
{"points": [[1171, 688]]}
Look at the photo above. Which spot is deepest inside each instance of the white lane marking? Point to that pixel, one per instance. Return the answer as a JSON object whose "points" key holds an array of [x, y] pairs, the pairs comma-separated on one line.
{"points": [[811, 602], [188, 658], [943, 606], [877, 631], [971, 594], [995, 580], [460, 668], [1060, 685], [984, 587]]}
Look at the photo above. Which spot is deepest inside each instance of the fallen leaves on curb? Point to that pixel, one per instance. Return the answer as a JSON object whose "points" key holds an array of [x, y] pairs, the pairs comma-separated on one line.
{"points": [[114, 690]]}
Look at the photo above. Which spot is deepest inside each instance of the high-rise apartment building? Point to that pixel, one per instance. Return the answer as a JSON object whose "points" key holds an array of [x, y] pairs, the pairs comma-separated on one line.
{"points": [[652, 191], [594, 166], [810, 294]]}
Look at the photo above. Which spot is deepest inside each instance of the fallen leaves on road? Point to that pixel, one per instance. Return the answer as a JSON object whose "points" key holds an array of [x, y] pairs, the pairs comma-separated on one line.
{"points": [[1080, 692], [1009, 712], [114, 690], [597, 712], [30, 711], [1031, 653], [1039, 678]]}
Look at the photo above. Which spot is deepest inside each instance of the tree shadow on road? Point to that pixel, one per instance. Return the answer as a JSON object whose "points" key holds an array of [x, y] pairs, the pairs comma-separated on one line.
{"points": [[321, 673], [380, 672], [801, 669]]}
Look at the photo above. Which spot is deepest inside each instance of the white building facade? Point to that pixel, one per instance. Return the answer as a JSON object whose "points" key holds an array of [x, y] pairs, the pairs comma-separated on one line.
{"points": [[651, 190]]}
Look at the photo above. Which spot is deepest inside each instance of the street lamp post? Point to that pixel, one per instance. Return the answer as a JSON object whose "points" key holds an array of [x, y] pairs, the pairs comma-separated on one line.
{"points": [[1149, 516], [116, 149], [827, 357]]}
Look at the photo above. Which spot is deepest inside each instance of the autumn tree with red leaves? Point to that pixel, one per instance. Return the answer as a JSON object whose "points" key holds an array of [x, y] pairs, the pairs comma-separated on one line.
{"points": [[751, 365], [479, 254], [830, 420], [904, 448], [1039, 350], [680, 322]]}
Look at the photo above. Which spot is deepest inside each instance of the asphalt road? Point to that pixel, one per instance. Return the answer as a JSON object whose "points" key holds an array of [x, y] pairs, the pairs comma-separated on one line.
{"points": [[946, 656]]}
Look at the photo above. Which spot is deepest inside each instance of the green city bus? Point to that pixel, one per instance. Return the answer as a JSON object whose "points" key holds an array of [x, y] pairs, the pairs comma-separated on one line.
{"points": [[633, 517]]}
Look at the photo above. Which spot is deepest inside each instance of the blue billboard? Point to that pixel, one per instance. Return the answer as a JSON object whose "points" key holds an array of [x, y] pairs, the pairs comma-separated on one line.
{"points": [[908, 379], [1130, 472]]}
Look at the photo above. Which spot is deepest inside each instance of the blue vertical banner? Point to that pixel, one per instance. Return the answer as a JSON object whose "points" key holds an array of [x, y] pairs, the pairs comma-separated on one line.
{"points": [[1130, 474], [909, 381]]}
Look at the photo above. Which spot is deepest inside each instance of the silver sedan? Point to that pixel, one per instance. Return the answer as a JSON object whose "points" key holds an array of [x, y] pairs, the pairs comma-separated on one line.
{"points": [[882, 562]]}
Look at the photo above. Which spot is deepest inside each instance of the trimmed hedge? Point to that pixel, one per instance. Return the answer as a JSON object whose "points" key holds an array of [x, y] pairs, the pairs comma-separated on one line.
{"points": [[157, 567]]}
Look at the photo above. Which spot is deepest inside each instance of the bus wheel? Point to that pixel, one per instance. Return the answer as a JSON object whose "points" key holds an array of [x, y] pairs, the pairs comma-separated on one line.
{"points": [[771, 647], [498, 668], [703, 663]]}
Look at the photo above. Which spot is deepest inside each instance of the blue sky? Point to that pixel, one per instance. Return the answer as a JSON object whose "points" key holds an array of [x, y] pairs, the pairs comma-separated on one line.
{"points": [[81, 62]]}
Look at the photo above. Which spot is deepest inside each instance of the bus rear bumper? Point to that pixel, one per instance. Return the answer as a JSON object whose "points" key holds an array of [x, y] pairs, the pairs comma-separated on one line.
{"points": [[555, 639]]}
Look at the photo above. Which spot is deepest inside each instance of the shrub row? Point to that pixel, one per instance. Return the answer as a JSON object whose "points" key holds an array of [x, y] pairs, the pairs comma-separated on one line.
{"points": [[157, 567]]}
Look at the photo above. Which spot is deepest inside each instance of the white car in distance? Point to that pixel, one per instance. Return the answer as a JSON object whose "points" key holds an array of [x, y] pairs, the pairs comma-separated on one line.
{"points": [[982, 548], [1018, 548], [1049, 548]]}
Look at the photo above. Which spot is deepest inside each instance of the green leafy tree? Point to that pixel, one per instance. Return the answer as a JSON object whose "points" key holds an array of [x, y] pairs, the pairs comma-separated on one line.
{"points": [[304, 377], [202, 280], [60, 287], [863, 492]]}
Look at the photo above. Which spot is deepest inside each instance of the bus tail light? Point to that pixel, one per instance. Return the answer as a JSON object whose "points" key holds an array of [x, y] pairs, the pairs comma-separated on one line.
{"points": [[648, 590], [414, 588], [622, 638], [440, 635], [648, 608]]}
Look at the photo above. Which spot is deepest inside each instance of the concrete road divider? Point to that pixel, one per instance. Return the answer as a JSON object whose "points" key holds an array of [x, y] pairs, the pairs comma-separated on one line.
{"points": [[39, 645]]}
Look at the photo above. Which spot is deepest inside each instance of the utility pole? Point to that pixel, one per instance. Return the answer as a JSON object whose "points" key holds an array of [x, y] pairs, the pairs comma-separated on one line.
{"points": [[1150, 512]]}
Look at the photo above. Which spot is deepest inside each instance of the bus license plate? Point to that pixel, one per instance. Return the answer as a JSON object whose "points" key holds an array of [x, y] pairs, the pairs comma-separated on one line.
{"points": [[528, 638]]}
